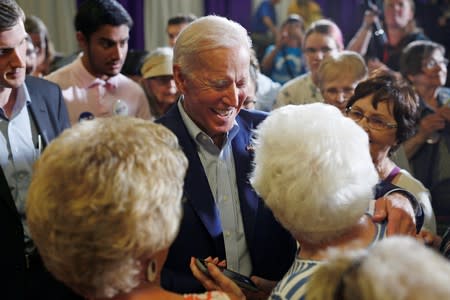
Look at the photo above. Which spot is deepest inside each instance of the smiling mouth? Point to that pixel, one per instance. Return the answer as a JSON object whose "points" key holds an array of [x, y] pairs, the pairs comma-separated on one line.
{"points": [[13, 73], [223, 112]]}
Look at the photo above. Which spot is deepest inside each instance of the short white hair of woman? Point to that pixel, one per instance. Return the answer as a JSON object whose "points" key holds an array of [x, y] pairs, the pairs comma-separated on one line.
{"points": [[207, 33], [313, 170], [396, 268], [104, 194], [348, 64]]}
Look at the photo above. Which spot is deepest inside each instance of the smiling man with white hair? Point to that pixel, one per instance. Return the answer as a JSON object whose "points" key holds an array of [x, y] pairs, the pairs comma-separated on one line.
{"points": [[223, 217]]}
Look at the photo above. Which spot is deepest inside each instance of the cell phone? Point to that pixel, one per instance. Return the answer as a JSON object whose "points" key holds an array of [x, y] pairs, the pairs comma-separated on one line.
{"points": [[241, 280]]}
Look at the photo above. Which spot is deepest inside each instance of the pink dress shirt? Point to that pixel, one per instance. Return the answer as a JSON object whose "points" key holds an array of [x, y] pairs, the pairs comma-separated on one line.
{"points": [[85, 94]]}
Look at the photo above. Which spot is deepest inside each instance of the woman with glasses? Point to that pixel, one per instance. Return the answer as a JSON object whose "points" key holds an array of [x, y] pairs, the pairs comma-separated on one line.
{"points": [[387, 109], [322, 39], [337, 87], [423, 64]]}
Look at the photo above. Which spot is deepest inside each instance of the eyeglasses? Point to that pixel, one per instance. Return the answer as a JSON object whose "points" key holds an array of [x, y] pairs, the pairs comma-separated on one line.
{"points": [[347, 92], [432, 63], [375, 123]]}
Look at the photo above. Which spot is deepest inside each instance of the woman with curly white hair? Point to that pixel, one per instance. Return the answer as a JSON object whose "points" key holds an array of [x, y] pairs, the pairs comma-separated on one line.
{"points": [[397, 268], [104, 206], [314, 171]]}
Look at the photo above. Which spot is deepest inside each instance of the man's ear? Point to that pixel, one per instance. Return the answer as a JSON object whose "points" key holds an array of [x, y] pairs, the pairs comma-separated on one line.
{"points": [[180, 79], [82, 41]]}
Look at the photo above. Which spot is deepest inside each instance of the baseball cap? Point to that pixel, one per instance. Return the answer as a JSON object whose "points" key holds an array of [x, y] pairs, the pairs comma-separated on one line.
{"points": [[158, 63]]}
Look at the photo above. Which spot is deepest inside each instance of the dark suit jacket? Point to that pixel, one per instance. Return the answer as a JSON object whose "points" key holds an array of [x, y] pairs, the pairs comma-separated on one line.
{"points": [[272, 249], [49, 113]]}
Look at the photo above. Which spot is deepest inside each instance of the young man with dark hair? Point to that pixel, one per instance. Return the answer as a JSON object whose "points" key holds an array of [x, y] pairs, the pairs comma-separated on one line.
{"points": [[32, 113], [176, 24], [92, 85]]}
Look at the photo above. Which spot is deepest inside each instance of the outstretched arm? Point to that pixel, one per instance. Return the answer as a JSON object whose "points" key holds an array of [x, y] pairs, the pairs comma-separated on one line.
{"points": [[403, 212]]}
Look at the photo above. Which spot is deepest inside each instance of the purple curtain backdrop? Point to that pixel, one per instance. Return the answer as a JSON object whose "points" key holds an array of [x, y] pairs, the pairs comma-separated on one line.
{"points": [[136, 10], [236, 10], [347, 14]]}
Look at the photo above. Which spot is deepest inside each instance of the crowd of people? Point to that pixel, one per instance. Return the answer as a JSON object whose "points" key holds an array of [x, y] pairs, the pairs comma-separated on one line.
{"points": [[313, 168]]}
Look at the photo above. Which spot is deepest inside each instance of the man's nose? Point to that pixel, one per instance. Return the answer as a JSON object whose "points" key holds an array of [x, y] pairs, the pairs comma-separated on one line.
{"points": [[18, 59], [118, 52], [232, 95]]}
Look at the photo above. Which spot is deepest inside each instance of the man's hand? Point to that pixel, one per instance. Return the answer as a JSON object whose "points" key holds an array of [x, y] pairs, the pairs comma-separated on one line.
{"points": [[444, 112], [432, 123], [399, 213], [429, 239]]}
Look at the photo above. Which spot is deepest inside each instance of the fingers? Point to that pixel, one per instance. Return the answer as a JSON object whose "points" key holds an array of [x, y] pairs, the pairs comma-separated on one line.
{"points": [[224, 283], [400, 214], [380, 212], [222, 263], [400, 223], [429, 239], [204, 279], [444, 112]]}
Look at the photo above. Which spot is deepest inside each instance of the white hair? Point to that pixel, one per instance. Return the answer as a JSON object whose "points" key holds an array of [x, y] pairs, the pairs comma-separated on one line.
{"points": [[396, 268], [207, 33], [332, 66], [313, 169]]}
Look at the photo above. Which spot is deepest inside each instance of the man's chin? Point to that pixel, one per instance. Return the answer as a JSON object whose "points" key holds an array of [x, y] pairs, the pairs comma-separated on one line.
{"points": [[13, 82], [112, 73]]}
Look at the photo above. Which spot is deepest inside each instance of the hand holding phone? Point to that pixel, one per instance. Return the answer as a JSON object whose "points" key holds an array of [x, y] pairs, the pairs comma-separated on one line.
{"points": [[241, 280]]}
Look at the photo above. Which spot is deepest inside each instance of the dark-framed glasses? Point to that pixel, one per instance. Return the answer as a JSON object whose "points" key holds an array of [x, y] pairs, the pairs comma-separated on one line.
{"points": [[373, 122]]}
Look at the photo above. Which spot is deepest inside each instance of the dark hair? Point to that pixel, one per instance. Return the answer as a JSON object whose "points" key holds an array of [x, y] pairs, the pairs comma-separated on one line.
{"points": [[92, 14], [414, 54], [294, 19], [133, 62], [10, 14], [181, 19], [398, 94]]}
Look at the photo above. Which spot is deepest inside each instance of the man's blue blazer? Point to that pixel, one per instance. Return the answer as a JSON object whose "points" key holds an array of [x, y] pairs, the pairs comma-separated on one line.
{"points": [[272, 249]]}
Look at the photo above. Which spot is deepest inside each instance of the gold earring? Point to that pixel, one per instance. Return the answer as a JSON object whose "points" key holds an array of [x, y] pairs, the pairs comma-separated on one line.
{"points": [[151, 271]]}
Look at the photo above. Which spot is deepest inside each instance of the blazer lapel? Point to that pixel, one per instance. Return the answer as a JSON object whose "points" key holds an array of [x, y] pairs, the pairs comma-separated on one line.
{"points": [[197, 190], [39, 114], [243, 154]]}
